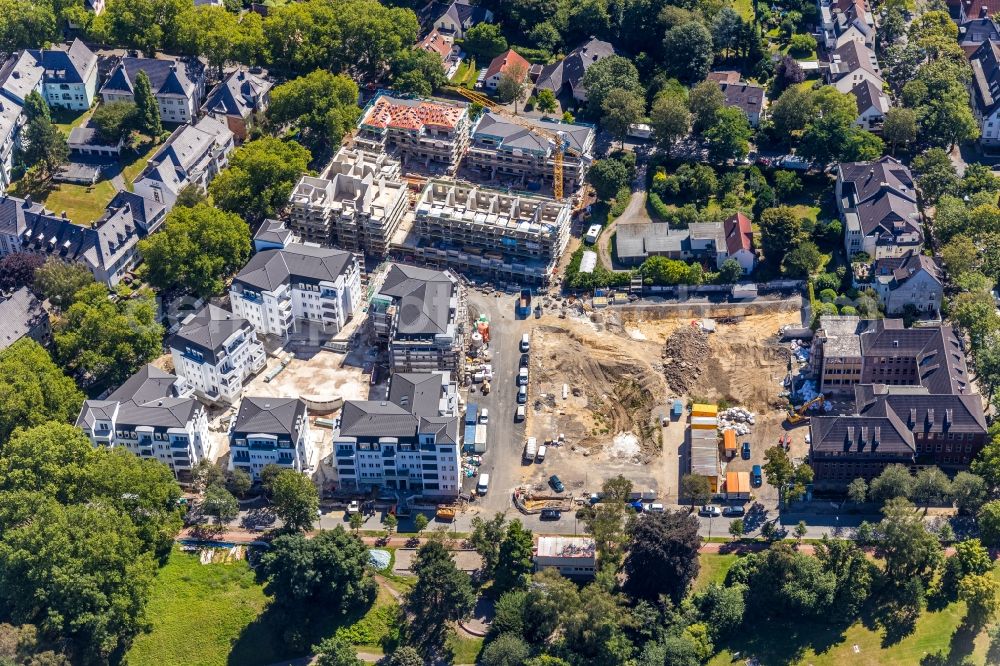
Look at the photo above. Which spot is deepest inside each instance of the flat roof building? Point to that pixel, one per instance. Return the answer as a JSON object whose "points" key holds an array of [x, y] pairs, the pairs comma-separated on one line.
{"points": [[573, 557]]}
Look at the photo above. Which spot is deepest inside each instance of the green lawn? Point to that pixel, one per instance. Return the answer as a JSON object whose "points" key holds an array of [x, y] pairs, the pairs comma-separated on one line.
{"points": [[137, 164], [67, 120], [208, 615], [714, 568], [466, 74], [464, 650], [83, 204], [745, 9]]}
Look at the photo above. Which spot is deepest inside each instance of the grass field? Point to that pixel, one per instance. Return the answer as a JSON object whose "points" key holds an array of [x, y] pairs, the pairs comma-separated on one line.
{"points": [[745, 9], [466, 74], [83, 204], [823, 644], [212, 615]]}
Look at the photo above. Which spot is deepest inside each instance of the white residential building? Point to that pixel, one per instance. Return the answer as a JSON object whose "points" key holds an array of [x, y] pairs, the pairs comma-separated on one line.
{"points": [[271, 431], [217, 352], [153, 415], [177, 85], [408, 442], [193, 155], [300, 288]]}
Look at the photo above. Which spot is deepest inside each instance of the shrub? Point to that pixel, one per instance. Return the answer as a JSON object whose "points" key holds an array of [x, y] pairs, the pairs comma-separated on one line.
{"points": [[802, 44]]}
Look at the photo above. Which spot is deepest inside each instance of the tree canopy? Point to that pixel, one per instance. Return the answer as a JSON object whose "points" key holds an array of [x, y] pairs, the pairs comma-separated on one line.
{"points": [[260, 177]]}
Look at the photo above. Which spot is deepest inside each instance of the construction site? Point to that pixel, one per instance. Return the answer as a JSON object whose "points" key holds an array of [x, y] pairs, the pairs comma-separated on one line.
{"points": [[606, 383]]}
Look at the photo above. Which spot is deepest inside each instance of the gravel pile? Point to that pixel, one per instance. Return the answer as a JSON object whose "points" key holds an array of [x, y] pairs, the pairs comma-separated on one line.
{"points": [[684, 358]]}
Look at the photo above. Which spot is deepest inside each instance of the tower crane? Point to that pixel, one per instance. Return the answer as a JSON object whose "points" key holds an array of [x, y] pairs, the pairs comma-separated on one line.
{"points": [[559, 150]]}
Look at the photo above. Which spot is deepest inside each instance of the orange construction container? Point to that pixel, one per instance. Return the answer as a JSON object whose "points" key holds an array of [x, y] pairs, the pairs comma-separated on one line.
{"points": [[729, 442]]}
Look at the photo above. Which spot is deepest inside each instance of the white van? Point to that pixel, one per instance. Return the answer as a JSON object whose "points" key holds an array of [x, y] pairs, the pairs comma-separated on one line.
{"points": [[654, 507], [540, 456], [483, 485], [525, 343], [519, 414]]}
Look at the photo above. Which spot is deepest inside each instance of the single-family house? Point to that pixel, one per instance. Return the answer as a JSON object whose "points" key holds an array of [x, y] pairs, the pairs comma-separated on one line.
{"points": [[459, 16], [739, 241], [985, 91], [177, 85], [509, 63], [567, 74], [240, 100], [872, 105], [22, 316], [914, 279]]}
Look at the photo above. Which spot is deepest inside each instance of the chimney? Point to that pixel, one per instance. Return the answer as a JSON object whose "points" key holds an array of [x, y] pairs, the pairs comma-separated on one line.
{"points": [[984, 12], [64, 215]]}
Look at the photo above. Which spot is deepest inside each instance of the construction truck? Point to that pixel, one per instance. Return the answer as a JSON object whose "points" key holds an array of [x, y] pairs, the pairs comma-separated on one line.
{"points": [[796, 416]]}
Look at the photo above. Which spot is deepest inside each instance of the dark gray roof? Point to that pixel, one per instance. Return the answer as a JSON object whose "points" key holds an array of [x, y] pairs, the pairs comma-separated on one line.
{"points": [[208, 329], [20, 313], [423, 297], [239, 95], [852, 56], [413, 407], [147, 398], [889, 213], [373, 418], [868, 95], [269, 269], [862, 436], [748, 97], [509, 135], [274, 231], [936, 349], [570, 70], [67, 64], [903, 268], [923, 411], [865, 180], [270, 416], [464, 14], [165, 76], [985, 64], [420, 393]]}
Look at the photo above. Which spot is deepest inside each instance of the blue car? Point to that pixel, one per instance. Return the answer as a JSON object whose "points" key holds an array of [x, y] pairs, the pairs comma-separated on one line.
{"points": [[746, 451], [755, 476]]}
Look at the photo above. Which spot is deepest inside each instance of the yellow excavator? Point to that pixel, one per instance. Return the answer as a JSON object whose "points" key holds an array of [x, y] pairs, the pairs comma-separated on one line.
{"points": [[800, 414], [560, 144]]}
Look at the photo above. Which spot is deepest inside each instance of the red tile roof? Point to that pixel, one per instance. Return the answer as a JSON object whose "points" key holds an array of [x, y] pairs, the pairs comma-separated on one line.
{"points": [[507, 62], [739, 236], [437, 43]]}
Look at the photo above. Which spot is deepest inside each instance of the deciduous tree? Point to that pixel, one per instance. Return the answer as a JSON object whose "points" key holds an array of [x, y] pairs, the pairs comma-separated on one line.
{"points": [[441, 595], [295, 499], [662, 555], [515, 562], [260, 178], [59, 281], [321, 106], [220, 504]]}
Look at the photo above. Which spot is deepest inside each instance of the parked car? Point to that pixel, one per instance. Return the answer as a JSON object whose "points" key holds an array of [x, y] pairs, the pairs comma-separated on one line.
{"points": [[756, 479], [556, 483], [746, 451], [522, 395], [522, 376], [524, 361], [710, 510], [654, 507], [353, 508], [519, 414], [551, 514], [484, 416], [733, 511]]}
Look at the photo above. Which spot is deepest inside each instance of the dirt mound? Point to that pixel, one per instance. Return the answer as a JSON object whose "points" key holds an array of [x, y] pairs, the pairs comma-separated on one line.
{"points": [[686, 353]]}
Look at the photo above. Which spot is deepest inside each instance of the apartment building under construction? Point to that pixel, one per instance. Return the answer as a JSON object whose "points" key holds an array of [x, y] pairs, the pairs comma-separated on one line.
{"points": [[504, 152], [357, 206], [505, 237], [429, 136]]}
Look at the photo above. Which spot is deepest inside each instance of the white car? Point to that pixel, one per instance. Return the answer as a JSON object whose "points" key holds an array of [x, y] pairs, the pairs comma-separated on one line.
{"points": [[353, 508], [710, 510], [484, 416]]}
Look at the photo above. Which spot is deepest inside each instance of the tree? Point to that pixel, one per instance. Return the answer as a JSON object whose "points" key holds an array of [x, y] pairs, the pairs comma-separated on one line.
{"points": [[545, 101], [931, 486], [729, 137], [486, 538], [418, 72], [405, 656], [853, 572], [50, 458], [899, 127], [441, 595], [620, 110], [320, 106], [58, 281], [936, 173], [371, 34], [730, 272], [72, 563], [25, 25], [260, 177], [780, 233], [608, 176], [801, 529], [894, 481], [968, 491], [857, 490], [973, 558], [205, 474], [607, 74], [330, 570], [706, 101], [662, 555], [357, 521], [786, 184], [391, 523], [420, 522], [147, 110], [688, 52], [670, 120], [780, 472], [485, 41], [238, 482], [196, 250], [145, 25], [803, 260], [908, 548], [106, 342], [513, 85], [722, 607], [505, 650], [697, 488], [788, 72], [787, 584], [988, 520], [737, 528], [33, 389], [335, 651], [295, 499], [17, 270], [215, 33], [832, 134], [220, 504], [114, 120], [979, 592], [791, 113], [43, 144], [515, 562]]}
